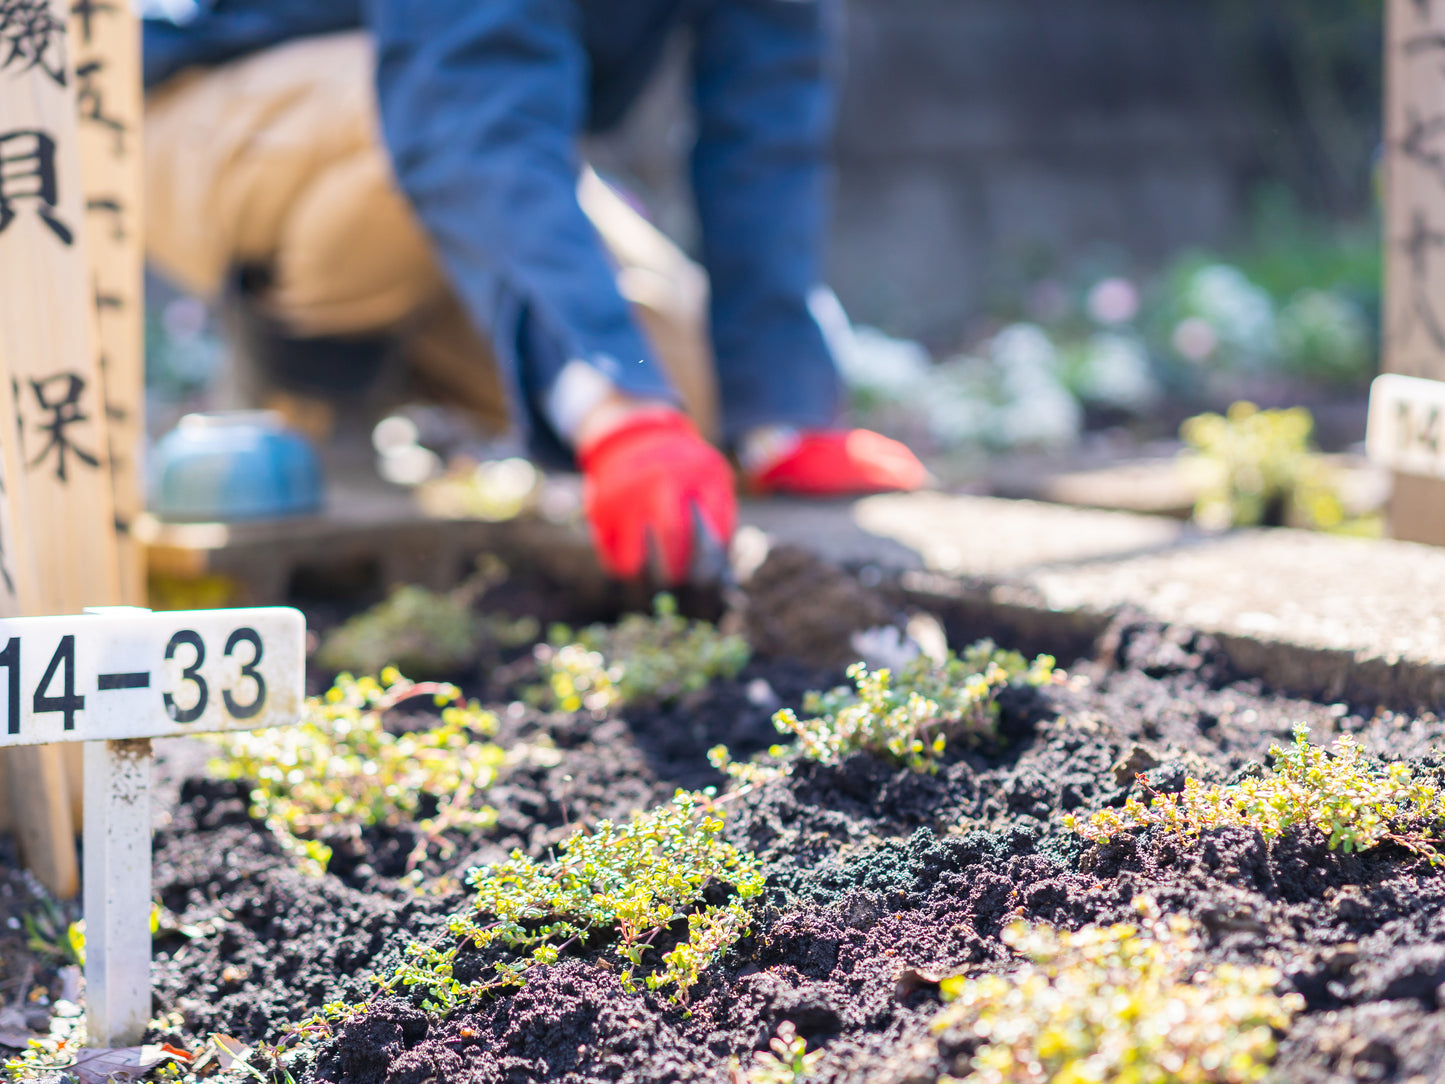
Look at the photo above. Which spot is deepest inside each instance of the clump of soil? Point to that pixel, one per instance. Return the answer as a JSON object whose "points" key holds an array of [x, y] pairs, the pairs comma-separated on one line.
{"points": [[879, 880], [801, 607]]}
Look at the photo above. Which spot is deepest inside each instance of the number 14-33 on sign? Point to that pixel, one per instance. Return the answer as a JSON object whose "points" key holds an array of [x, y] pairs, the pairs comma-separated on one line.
{"points": [[118, 672]]}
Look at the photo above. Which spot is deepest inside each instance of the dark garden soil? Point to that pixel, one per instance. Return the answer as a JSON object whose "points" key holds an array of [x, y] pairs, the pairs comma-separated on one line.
{"points": [[879, 881]]}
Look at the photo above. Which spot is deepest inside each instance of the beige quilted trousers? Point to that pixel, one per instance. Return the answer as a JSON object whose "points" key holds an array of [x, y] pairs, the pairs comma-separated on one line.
{"points": [[276, 160]]}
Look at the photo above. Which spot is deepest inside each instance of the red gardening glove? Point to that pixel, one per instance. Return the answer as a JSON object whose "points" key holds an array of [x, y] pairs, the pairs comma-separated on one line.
{"points": [[840, 463], [655, 484]]}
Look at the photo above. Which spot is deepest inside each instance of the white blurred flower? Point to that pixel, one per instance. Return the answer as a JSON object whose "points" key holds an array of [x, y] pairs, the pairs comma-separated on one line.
{"points": [[509, 480], [1026, 365], [1116, 371], [394, 433], [1024, 346], [957, 405], [1241, 314], [1321, 332], [889, 368], [409, 465], [1113, 301], [869, 361], [1014, 397], [1194, 339], [1048, 417]]}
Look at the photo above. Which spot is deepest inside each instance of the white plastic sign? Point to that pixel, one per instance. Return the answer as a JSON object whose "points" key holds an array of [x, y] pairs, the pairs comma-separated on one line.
{"points": [[118, 673], [116, 677], [1407, 424]]}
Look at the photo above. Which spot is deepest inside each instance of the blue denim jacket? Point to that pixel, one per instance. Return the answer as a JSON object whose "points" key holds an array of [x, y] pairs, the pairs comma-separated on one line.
{"points": [[481, 104]]}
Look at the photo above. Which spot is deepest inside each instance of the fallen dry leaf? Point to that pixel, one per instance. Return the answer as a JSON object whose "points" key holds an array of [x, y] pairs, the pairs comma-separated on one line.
{"points": [[118, 1066], [229, 1050], [14, 1032]]}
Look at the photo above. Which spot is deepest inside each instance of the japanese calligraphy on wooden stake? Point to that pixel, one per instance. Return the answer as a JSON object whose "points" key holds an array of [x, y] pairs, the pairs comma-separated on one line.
{"points": [[61, 492], [1406, 419], [47, 314], [105, 39]]}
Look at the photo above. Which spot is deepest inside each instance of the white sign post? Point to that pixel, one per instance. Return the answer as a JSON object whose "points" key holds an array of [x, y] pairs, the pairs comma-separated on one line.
{"points": [[1407, 425], [116, 677]]}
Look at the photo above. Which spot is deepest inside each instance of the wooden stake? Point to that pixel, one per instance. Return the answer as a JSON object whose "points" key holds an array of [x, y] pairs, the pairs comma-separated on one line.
{"points": [[1414, 308], [106, 42], [40, 808], [105, 39], [46, 324], [62, 492]]}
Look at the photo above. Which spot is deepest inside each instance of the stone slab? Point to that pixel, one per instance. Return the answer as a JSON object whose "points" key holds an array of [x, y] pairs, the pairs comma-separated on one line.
{"points": [[1319, 615]]}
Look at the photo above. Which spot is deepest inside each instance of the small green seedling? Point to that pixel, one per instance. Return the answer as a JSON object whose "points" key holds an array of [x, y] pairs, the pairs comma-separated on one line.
{"points": [[340, 766], [640, 660], [1333, 791], [1130, 1002], [788, 1061], [49, 933]]}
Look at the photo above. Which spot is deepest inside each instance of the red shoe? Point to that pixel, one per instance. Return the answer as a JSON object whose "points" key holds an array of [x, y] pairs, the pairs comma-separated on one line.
{"points": [[832, 463]]}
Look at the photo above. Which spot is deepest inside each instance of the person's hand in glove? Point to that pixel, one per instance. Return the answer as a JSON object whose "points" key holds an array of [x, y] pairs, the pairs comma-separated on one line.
{"points": [[657, 496]]}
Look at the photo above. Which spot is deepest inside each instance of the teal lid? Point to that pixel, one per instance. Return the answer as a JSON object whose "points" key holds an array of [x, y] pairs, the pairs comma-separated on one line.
{"points": [[233, 465]]}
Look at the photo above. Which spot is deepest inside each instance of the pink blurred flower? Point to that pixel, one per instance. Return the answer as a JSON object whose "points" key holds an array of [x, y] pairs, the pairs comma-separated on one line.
{"points": [[1113, 301], [1195, 339]]}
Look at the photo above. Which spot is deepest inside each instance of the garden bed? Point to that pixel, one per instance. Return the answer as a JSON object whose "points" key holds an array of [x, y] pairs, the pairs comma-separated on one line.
{"points": [[879, 882]]}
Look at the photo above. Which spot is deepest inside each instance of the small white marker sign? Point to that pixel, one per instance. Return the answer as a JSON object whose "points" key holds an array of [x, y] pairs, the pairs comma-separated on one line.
{"points": [[119, 672], [1407, 424], [116, 677]]}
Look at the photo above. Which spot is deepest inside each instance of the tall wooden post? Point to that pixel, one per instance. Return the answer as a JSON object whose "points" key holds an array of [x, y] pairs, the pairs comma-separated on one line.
{"points": [[106, 41], [105, 37], [47, 351], [1414, 310]]}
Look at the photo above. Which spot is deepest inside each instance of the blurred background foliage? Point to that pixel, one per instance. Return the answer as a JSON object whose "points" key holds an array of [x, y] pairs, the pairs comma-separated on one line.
{"points": [[1309, 73]]}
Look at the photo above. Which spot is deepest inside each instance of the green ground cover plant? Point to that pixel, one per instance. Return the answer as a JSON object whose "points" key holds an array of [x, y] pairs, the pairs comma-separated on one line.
{"points": [[425, 633], [629, 889], [641, 660], [1260, 468], [907, 719], [340, 766], [1335, 791], [1132, 1003]]}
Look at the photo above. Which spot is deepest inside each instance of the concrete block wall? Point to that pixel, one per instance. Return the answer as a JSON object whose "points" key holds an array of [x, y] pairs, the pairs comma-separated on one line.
{"points": [[975, 134]]}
